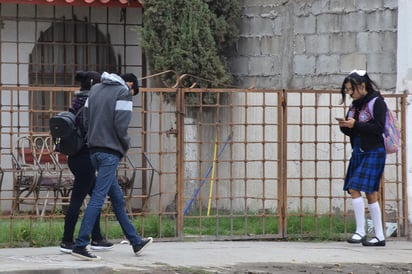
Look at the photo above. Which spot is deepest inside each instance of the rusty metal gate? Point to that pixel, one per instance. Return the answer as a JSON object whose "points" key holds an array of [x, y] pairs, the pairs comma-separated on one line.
{"points": [[222, 164], [263, 164]]}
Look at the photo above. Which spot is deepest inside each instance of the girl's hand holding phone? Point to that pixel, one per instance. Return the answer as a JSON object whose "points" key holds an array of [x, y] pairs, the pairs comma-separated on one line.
{"points": [[350, 122]]}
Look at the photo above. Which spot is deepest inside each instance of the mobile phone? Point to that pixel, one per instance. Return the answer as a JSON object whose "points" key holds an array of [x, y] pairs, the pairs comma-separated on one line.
{"points": [[340, 119]]}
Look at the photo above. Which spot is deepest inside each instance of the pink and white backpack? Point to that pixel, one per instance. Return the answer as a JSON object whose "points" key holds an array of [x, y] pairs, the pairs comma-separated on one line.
{"points": [[392, 132]]}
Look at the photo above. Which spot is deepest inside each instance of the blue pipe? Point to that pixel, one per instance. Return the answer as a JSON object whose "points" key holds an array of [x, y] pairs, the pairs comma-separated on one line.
{"points": [[205, 177]]}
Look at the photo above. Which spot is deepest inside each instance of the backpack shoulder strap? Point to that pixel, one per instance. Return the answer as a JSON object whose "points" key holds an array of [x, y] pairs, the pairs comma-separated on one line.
{"points": [[80, 111], [371, 103]]}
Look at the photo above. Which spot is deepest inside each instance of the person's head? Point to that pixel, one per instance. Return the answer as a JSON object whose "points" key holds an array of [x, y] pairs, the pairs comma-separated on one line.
{"points": [[357, 84], [131, 81], [87, 79]]}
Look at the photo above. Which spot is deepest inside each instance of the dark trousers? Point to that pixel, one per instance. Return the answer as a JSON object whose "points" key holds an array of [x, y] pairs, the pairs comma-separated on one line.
{"points": [[84, 181]]}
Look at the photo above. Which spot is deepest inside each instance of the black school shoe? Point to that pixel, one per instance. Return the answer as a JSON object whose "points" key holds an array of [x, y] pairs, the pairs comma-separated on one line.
{"points": [[137, 249], [374, 242], [353, 240]]}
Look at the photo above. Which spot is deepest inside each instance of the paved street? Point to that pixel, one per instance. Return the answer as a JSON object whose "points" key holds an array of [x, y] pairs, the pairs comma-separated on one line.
{"points": [[216, 257]]}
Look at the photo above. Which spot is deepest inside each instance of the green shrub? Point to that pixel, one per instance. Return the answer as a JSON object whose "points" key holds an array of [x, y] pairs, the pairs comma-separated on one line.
{"points": [[190, 37]]}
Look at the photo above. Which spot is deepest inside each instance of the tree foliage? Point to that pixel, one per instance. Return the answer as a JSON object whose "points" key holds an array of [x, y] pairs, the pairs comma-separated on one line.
{"points": [[190, 37]]}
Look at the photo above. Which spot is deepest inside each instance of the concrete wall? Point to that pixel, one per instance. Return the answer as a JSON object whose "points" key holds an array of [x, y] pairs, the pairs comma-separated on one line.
{"points": [[312, 44]]}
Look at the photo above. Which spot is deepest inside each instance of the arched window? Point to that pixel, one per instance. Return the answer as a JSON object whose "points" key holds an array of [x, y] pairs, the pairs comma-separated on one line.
{"points": [[61, 50]]}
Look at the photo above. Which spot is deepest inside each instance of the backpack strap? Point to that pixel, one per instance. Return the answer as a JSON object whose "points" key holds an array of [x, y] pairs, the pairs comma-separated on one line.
{"points": [[80, 111], [371, 103]]}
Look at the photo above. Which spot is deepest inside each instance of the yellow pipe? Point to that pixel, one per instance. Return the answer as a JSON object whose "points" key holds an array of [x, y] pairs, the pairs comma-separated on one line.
{"points": [[212, 177]]}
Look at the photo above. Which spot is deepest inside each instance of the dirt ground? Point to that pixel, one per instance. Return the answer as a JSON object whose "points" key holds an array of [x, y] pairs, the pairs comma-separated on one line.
{"points": [[294, 268]]}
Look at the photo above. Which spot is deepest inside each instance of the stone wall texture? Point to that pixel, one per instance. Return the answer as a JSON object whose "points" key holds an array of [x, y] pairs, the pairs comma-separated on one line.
{"points": [[313, 44]]}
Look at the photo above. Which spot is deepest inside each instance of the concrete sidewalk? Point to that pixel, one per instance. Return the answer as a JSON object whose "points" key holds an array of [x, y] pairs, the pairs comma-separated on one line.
{"points": [[218, 257]]}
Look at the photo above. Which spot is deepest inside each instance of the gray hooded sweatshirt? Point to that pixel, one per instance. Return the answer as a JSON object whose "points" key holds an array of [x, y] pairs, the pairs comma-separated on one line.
{"points": [[108, 112]]}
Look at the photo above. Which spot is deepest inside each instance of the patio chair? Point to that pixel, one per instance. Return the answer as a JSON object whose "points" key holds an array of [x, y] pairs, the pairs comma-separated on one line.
{"points": [[127, 173], [38, 170], [54, 175], [25, 174]]}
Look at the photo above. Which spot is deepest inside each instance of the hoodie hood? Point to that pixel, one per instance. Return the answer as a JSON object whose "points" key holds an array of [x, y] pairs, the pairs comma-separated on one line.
{"points": [[113, 79]]}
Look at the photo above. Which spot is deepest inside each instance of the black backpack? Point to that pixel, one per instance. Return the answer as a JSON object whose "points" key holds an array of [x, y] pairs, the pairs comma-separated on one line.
{"points": [[68, 139]]}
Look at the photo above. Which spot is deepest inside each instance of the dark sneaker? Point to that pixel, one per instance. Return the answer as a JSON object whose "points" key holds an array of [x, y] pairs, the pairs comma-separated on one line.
{"points": [[137, 249], [101, 245], [84, 254], [66, 247]]}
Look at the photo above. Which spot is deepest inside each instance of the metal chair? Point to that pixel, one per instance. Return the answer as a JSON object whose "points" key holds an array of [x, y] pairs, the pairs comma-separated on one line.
{"points": [[126, 176], [38, 169], [54, 175], [25, 175]]}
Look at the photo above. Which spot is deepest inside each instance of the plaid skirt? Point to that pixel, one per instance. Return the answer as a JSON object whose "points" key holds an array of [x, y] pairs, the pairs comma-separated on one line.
{"points": [[365, 169]]}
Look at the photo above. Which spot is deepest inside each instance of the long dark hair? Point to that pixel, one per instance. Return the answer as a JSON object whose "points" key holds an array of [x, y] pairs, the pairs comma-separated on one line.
{"points": [[356, 78]]}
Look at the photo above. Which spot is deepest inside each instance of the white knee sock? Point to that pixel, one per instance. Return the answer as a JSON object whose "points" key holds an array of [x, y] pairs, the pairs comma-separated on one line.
{"points": [[376, 216], [359, 209]]}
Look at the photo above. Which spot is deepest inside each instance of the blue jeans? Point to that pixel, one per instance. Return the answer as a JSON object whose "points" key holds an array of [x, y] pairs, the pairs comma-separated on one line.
{"points": [[106, 184]]}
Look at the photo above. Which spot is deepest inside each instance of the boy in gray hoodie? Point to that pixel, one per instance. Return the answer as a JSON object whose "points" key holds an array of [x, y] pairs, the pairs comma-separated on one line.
{"points": [[108, 112]]}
